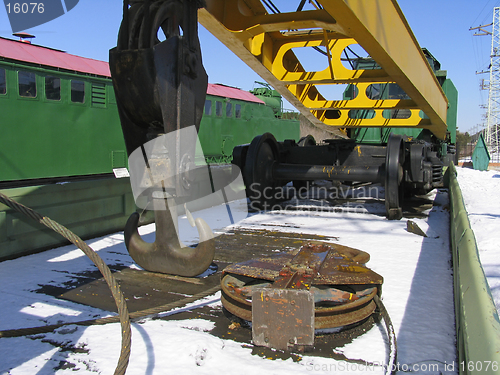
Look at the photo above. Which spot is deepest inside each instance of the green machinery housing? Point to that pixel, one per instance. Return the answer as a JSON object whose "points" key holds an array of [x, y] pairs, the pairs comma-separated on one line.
{"points": [[393, 91]]}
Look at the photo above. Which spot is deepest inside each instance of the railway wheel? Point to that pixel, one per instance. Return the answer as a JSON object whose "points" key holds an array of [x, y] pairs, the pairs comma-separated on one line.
{"points": [[260, 184], [394, 160]]}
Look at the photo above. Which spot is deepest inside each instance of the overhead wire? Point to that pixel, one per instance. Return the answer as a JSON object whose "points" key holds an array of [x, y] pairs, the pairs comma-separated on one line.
{"points": [[480, 54], [482, 10]]}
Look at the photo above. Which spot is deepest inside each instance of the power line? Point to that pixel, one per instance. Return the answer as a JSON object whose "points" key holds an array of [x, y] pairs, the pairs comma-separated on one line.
{"points": [[485, 5]]}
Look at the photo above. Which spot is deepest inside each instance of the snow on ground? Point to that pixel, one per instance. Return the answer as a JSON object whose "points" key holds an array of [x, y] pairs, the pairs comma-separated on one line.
{"points": [[417, 293], [481, 192]]}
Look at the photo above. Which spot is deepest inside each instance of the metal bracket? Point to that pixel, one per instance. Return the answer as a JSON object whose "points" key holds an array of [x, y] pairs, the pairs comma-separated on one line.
{"points": [[282, 318]]}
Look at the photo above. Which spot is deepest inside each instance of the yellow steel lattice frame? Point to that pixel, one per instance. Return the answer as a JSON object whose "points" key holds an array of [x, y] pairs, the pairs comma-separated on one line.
{"points": [[265, 42]]}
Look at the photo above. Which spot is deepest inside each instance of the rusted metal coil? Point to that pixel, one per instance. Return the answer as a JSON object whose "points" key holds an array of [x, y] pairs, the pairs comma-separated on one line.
{"points": [[343, 288], [324, 317]]}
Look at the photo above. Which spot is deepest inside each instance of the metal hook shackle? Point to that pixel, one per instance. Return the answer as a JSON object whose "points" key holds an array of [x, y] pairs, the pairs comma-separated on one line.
{"points": [[167, 254]]}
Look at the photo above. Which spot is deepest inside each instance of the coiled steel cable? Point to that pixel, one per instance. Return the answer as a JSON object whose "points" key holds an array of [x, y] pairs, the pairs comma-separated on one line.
{"points": [[103, 268]]}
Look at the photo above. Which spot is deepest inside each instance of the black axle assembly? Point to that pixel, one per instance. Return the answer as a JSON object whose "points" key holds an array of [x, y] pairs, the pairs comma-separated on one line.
{"points": [[403, 167]]}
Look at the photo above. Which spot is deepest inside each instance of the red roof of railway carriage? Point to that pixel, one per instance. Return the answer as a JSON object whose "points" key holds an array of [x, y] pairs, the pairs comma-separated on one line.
{"points": [[16, 50], [31, 53], [232, 92]]}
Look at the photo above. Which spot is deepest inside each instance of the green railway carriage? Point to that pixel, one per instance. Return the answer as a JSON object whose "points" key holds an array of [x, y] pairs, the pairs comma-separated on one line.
{"points": [[59, 116], [60, 121], [233, 117]]}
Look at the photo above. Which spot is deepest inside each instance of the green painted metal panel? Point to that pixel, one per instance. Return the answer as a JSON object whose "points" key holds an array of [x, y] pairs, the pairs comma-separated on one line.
{"points": [[218, 133], [481, 326], [477, 322], [118, 159], [88, 208], [451, 93], [393, 91], [43, 138], [480, 155], [461, 224]]}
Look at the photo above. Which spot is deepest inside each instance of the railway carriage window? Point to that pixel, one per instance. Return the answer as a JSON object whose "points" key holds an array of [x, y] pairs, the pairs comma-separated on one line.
{"points": [[27, 84], [208, 107], [77, 91], [3, 86], [229, 109], [237, 110], [218, 109], [53, 88]]}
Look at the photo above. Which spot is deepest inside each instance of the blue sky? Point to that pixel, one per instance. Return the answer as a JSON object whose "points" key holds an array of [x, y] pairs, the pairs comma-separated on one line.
{"points": [[442, 26]]}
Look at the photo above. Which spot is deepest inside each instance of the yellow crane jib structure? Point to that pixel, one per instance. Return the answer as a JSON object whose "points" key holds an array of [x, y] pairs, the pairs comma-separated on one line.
{"points": [[266, 43]]}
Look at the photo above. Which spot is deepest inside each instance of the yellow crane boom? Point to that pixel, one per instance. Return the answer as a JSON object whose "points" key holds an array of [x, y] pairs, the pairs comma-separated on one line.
{"points": [[265, 42]]}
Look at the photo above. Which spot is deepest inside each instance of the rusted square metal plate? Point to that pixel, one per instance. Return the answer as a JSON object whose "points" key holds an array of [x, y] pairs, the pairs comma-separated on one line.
{"points": [[282, 318], [141, 289]]}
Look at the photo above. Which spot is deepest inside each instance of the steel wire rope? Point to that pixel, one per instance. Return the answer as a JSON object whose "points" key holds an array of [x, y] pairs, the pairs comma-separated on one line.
{"points": [[393, 348], [103, 268]]}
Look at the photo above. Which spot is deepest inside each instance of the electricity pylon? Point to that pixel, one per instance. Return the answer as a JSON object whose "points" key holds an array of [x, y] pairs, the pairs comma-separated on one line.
{"points": [[493, 114]]}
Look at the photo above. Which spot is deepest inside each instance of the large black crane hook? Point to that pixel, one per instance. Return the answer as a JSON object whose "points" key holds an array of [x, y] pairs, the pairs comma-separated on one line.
{"points": [[160, 90]]}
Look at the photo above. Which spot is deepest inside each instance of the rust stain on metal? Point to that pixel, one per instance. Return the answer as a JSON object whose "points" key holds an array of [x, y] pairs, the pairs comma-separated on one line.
{"points": [[329, 264], [282, 318]]}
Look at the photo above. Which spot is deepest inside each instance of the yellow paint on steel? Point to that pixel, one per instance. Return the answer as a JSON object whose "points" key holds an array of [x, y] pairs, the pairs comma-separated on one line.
{"points": [[287, 68], [342, 118], [245, 28], [381, 29], [310, 98], [266, 42], [325, 35]]}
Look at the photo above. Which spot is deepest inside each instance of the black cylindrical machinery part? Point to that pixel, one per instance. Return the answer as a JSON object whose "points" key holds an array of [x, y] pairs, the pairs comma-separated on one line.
{"points": [[283, 171]]}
